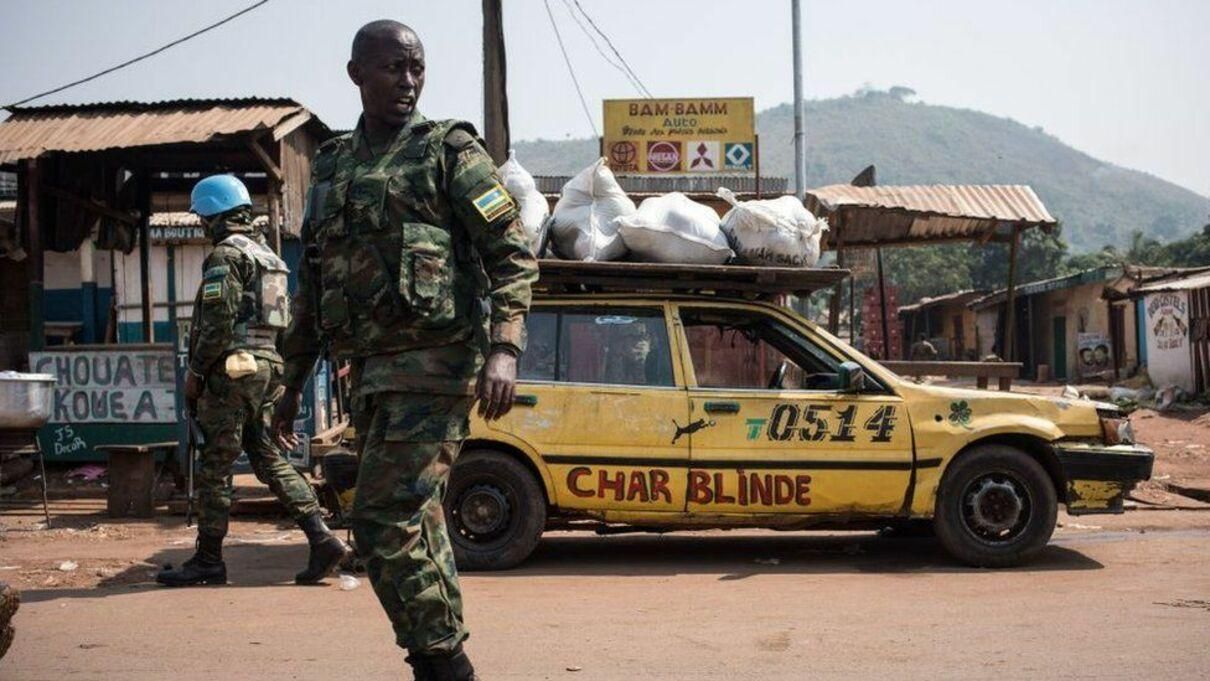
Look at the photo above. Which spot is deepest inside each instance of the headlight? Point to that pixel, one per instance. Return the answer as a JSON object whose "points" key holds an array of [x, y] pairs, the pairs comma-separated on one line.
{"points": [[1117, 430]]}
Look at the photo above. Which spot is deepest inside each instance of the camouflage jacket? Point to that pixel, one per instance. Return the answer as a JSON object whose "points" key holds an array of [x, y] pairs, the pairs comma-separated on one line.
{"points": [[400, 250], [225, 317]]}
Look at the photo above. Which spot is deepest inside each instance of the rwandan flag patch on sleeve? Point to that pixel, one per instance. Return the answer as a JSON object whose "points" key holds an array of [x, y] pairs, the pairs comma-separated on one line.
{"points": [[493, 203], [212, 291]]}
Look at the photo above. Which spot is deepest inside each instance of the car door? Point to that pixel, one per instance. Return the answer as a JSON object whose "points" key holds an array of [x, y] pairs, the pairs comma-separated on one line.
{"points": [[598, 397], [794, 444]]}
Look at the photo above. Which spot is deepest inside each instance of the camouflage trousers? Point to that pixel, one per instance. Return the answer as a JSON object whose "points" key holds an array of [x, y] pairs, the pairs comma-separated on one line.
{"points": [[408, 443], [234, 415]]}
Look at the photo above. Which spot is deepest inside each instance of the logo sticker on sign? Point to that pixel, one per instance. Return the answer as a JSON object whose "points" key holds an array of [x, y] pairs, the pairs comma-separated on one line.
{"points": [[738, 156], [663, 157], [623, 157], [703, 156]]}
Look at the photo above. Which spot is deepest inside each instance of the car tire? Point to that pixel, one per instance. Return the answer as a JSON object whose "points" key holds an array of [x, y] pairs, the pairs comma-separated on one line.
{"points": [[495, 511], [995, 508]]}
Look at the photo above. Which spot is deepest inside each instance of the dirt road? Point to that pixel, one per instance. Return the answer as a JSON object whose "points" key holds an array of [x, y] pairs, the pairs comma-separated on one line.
{"points": [[1122, 597], [1113, 597]]}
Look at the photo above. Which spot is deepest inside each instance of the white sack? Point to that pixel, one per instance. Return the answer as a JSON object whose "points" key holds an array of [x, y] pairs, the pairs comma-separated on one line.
{"points": [[530, 202], [674, 229], [582, 226], [778, 232]]}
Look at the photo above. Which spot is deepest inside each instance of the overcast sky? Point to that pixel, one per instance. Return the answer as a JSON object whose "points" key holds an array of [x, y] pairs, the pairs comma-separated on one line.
{"points": [[1125, 81]]}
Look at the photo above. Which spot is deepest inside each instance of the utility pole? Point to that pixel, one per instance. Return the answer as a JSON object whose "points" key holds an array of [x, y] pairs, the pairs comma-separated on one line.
{"points": [[495, 91], [800, 150]]}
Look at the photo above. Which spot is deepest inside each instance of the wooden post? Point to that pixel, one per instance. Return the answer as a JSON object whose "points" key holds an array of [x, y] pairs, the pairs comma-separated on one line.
{"points": [[886, 336], [275, 201], [756, 161], [495, 83], [852, 309], [838, 290], [33, 222], [144, 204], [1010, 297]]}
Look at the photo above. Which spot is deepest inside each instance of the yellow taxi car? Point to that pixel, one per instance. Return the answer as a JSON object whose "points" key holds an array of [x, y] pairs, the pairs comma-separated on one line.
{"points": [[687, 411]]}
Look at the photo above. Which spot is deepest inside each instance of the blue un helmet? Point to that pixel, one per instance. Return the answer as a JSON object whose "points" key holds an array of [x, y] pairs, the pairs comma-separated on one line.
{"points": [[218, 194]]}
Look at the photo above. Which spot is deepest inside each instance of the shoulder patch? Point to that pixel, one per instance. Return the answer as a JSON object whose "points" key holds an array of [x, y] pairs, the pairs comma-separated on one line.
{"points": [[212, 291], [216, 272], [493, 203]]}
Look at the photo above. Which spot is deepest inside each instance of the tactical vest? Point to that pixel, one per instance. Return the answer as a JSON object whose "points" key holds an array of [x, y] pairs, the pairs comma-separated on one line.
{"points": [[265, 309], [397, 271]]}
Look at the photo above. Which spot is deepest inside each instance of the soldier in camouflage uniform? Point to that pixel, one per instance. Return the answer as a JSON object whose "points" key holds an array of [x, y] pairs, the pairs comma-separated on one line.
{"points": [[234, 379], [408, 231]]}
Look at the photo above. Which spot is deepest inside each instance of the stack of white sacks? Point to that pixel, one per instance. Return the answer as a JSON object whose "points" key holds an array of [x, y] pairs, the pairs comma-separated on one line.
{"points": [[595, 220]]}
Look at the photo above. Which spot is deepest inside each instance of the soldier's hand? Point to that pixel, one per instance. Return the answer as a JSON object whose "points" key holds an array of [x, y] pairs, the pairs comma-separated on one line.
{"points": [[284, 413], [497, 385]]}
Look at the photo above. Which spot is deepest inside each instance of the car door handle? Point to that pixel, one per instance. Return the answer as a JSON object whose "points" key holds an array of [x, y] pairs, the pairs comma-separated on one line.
{"points": [[526, 400], [721, 407]]}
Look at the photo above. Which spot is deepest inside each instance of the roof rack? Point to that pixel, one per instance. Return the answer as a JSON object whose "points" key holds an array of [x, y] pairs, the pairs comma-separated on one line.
{"points": [[573, 276]]}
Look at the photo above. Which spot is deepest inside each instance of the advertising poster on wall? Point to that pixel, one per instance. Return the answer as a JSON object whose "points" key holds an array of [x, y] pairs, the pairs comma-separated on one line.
{"points": [[1094, 353], [1169, 360]]}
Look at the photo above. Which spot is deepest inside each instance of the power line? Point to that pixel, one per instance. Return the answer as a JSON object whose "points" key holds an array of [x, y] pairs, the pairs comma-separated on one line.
{"points": [[570, 70], [140, 57], [613, 49], [596, 43]]}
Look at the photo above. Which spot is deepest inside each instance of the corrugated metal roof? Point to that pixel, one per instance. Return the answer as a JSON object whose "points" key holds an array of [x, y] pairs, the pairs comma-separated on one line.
{"points": [[1033, 288], [955, 298], [1184, 283], [33, 131], [895, 215]]}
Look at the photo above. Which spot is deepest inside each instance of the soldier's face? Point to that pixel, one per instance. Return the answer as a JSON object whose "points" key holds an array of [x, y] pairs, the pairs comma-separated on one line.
{"points": [[390, 76]]}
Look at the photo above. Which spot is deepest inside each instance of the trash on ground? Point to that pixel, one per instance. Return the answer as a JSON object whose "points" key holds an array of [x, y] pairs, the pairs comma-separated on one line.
{"points": [[348, 582]]}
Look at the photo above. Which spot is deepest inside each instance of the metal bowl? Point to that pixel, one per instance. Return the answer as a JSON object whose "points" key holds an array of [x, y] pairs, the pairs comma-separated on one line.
{"points": [[25, 399]]}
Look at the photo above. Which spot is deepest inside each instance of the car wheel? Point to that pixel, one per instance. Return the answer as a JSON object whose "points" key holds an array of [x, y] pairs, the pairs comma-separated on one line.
{"points": [[995, 508], [495, 511]]}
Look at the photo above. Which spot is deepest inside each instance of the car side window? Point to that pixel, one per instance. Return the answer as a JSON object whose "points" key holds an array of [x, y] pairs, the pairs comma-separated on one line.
{"points": [[621, 346], [747, 350]]}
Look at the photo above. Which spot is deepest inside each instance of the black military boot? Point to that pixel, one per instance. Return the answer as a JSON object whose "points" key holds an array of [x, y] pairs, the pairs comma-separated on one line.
{"points": [[455, 666], [205, 567], [326, 550]]}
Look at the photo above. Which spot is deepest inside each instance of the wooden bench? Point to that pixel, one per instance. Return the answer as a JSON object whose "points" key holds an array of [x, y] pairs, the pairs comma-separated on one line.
{"points": [[1004, 372], [132, 478]]}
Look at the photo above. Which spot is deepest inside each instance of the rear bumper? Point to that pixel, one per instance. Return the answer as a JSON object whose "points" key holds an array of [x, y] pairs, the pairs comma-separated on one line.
{"points": [[1097, 477]]}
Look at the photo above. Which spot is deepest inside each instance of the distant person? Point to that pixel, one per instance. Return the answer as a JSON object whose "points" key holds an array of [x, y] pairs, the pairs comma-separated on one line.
{"points": [[626, 355], [922, 350], [233, 381]]}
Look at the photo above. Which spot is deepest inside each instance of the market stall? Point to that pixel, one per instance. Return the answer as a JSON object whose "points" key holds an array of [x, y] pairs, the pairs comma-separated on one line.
{"points": [[108, 257]]}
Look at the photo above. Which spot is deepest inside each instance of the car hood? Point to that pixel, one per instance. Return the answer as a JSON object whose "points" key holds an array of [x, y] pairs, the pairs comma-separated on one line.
{"points": [[1058, 417]]}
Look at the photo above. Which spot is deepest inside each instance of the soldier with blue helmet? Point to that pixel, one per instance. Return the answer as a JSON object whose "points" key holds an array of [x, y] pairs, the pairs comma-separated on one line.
{"points": [[235, 378]]}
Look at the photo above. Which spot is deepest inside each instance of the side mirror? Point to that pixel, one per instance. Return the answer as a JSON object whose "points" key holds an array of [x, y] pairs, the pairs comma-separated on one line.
{"points": [[852, 377]]}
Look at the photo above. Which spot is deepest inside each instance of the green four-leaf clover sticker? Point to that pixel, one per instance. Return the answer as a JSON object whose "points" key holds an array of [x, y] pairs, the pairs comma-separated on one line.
{"points": [[960, 413]]}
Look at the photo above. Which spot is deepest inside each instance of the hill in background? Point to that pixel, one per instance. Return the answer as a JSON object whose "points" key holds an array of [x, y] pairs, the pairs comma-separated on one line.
{"points": [[915, 143]]}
